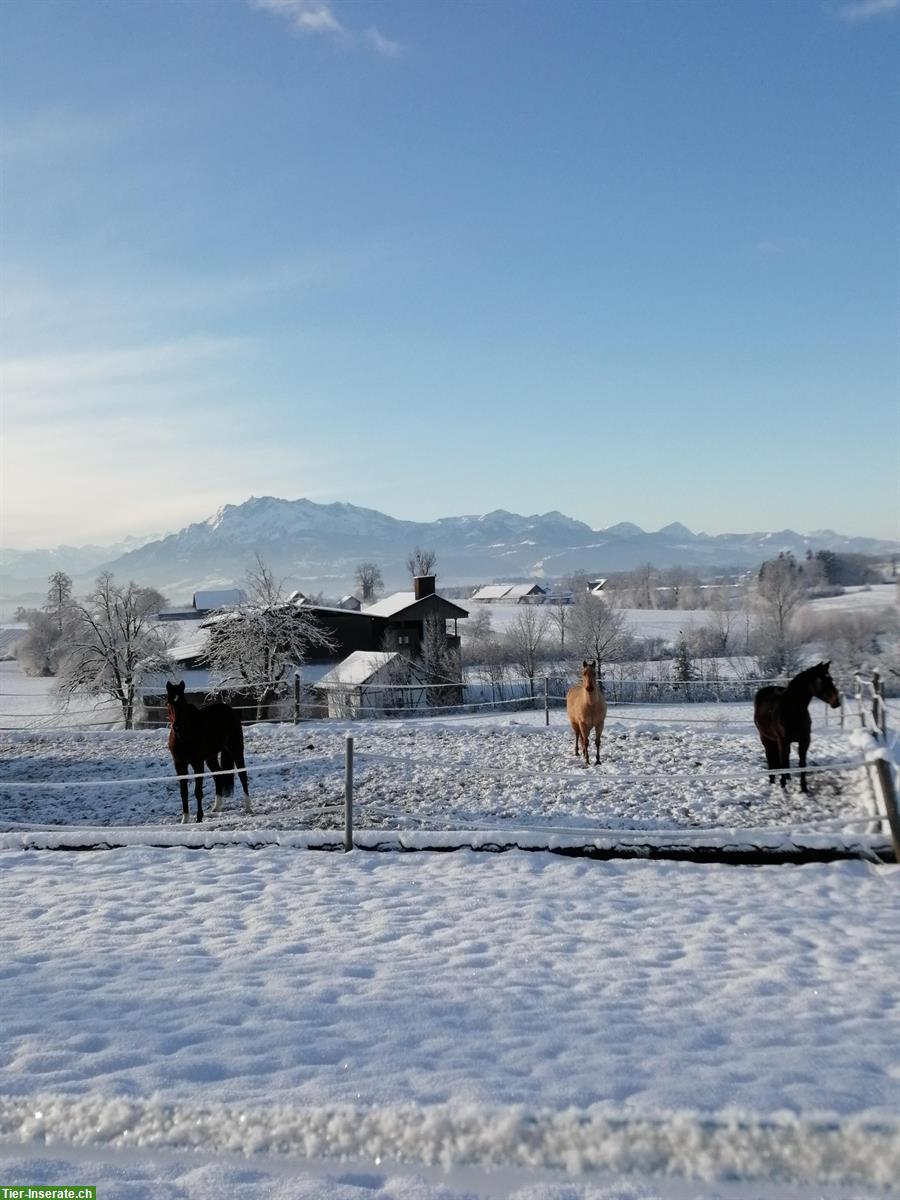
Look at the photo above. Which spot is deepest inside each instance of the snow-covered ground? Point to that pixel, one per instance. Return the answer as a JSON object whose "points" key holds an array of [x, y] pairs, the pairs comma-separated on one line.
{"points": [[517, 1009], [443, 1026], [663, 767], [670, 623]]}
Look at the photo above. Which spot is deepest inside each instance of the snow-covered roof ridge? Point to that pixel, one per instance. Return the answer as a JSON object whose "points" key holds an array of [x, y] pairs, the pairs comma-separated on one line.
{"points": [[358, 667]]}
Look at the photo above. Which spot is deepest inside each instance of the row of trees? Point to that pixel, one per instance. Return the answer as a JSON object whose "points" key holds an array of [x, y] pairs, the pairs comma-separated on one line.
{"points": [[104, 644]]}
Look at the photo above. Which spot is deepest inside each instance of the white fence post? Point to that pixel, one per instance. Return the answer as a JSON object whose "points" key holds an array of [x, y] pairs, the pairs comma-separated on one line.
{"points": [[884, 773]]}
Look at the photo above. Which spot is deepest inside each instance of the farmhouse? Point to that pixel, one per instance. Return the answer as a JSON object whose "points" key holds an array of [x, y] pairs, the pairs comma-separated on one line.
{"points": [[510, 593], [394, 625]]}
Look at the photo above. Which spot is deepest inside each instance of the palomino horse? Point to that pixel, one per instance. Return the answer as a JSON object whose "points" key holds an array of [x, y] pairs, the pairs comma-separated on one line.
{"points": [[781, 715], [587, 710], [211, 735]]}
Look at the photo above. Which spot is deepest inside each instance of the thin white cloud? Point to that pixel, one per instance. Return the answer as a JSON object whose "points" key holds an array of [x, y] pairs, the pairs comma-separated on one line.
{"points": [[307, 16], [35, 382], [317, 17], [382, 44], [868, 10]]}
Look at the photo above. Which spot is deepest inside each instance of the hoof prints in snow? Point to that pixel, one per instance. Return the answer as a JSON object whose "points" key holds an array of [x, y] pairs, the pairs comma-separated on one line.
{"points": [[440, 775]]}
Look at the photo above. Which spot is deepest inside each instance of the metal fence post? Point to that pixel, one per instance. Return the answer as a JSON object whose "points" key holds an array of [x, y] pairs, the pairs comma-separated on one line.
{"points": [[348, 793], [296, 697], [546, 700]]}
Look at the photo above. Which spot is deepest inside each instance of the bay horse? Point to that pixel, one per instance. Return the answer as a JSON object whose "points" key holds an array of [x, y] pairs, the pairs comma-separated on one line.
{"points": [[586, 707], [781, 714], [212, 735]]}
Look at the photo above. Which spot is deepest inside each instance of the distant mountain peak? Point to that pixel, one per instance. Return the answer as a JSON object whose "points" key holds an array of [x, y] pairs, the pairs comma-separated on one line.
{"points": [[318, 547], [676, 530], [623, 529]]}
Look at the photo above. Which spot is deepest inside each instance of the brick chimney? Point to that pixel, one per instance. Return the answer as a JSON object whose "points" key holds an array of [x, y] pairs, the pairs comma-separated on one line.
{"points": [[423, 585]]}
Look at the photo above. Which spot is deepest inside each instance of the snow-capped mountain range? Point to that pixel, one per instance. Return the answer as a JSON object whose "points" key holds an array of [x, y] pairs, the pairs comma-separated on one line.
{"points": [[317, 547]]}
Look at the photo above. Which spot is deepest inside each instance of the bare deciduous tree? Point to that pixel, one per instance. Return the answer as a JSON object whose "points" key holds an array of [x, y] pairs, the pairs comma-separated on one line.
{"points": [[110, 641], [421, 562], [439, 663], [525, 640], [597, 630], [780, 594], [477, 632], [257, 645], [369, 580]]}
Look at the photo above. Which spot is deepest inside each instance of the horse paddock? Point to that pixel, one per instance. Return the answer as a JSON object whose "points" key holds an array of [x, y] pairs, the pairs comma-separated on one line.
{"points": [[691, 768]]}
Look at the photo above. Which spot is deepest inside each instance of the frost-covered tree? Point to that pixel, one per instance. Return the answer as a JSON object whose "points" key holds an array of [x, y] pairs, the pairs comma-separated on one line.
{"points": [[597, 631], [476, 635], [110, 641], [257, 645], [38, 650], [59, 596], [780, 594], [526, 637], [439, 663], [369, 580]]}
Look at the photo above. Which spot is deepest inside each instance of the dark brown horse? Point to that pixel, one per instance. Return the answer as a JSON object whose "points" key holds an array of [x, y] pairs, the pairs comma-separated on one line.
{"points": [[781, 714], [212, 735]]}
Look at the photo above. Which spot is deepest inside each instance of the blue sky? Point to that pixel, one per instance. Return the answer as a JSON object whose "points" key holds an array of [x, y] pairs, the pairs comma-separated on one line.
{"points": [[633, 261]]}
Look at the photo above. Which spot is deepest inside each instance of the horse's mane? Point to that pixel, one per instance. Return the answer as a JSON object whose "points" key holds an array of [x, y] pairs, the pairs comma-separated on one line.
{"points": [[819, 668]]}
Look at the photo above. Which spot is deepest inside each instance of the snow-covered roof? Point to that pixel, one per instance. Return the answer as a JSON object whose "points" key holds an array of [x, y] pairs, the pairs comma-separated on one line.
{"points": [[390, 605], [492, 591], [508, 591], [219, 597], [357, 668]]}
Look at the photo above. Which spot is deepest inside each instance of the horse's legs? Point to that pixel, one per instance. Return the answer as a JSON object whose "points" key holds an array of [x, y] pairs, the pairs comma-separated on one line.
{"points": [[802, 748], [238, 755], [598, 729], [198, 787], [784, 756], [212, 762], [181, 768], [771, 749], [586, 743], [577, 751]]}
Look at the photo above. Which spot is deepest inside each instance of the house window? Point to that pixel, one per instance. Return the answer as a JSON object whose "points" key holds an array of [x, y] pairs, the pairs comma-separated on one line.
{"points": [[403, 639]]}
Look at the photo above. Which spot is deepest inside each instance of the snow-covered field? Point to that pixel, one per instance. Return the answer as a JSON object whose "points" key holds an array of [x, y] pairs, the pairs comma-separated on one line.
{"points": [[441, 1026], [669, 623], [517, 1009]]}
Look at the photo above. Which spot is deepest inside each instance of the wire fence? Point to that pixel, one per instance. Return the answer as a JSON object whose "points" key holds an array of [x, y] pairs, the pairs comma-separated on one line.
{"points": [[296, 701], [373, 811]]}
